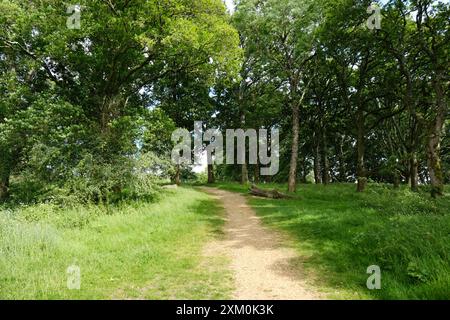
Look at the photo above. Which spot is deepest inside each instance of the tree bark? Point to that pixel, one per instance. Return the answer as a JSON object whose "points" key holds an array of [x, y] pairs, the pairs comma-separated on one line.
{"points": [[411, 105], [5, 173], [3, 190], [211, 177], [108, 111], [413, 144], [177, 176], [414, 172], [342, 175], [244, 167], [273, 194], [317, 161], [440, 67], [326, 163], [244, 174], [361, 170], [257, 172], [304, 170], [292, 183], [4, 187], [408, 172], [434, 143], [7, 163]]}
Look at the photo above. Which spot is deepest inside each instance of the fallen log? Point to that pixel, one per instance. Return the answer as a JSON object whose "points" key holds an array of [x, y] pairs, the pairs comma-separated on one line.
{"points": [[272, 194], [170, 186]]}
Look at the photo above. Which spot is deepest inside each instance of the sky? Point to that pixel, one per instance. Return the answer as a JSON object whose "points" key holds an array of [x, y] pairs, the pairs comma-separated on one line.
{"points": [[230, 5]]}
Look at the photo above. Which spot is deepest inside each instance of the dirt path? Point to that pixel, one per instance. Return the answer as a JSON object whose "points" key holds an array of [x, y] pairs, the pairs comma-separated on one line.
{"points": [[262, 266]]}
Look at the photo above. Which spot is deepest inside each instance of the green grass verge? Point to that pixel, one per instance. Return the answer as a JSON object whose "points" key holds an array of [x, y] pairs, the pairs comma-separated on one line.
{"points": [[137, 251], [340, 233]]}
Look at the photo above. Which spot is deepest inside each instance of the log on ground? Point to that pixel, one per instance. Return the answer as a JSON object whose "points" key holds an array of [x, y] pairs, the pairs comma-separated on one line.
{"points": [[272, 194]]}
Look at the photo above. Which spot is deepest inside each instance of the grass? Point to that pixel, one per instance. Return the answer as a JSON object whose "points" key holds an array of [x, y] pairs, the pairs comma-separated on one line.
{"points": [[136, 251], [154, 250], [340, 233]]}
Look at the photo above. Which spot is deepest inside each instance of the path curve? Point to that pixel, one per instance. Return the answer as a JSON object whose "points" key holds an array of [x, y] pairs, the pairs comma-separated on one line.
{"points": [[261, 264]]}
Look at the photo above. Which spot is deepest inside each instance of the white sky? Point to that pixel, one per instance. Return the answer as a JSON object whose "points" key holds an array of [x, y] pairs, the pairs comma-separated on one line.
{"points": [[230, 5], [201, 168]]}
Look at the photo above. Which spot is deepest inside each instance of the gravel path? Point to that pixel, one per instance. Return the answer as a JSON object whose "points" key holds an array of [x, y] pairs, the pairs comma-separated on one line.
{"points": [[261, 264]]}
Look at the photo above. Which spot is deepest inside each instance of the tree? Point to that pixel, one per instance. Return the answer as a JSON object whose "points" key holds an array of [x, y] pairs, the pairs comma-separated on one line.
{"points": [[110, 68], [431, 20], [285, 40]]}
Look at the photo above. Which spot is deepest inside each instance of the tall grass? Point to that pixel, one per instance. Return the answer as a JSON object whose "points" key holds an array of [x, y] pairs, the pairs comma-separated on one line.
{"points": [[138, 250], [341, 233]]}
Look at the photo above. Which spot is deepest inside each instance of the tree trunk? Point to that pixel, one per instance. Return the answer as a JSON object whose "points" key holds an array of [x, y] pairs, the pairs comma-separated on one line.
{"points": [[342, 175], [109, 111], [292, 183], [257, 172], [244, 174], [273, 194], [326, 163], [413, 162], [4, 187], [3, 191], [304, 170], [411, 105], [414, 175], [361, 170], [5, 172], [244, 167], [437, 126], [408, 172], [177, 176], [317, 161], [434, 144], [211, 177]]}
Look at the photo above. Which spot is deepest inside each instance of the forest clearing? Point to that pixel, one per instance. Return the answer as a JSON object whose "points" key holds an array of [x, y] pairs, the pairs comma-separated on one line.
{"points": [[224, 150]]}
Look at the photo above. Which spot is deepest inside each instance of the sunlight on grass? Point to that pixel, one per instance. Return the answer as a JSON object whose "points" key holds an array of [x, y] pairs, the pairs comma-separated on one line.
{"points": [[137, 251], [342, 233]]}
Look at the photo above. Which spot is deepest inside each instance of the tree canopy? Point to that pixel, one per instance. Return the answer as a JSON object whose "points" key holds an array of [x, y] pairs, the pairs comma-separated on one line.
{"points": [[82, 106]]}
